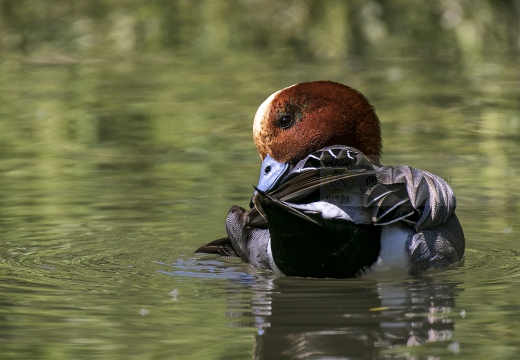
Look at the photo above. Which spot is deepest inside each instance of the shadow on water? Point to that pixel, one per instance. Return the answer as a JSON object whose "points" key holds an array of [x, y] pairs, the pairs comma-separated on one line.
{"points": [[298, 318]]}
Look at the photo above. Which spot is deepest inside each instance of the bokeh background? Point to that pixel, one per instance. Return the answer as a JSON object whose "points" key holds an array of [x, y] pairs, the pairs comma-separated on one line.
{"points": [[125, 136]]}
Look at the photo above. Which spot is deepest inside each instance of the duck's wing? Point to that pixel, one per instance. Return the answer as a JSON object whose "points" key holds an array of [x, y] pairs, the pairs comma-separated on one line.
{"points": [[305, 186], [333, 160], [394, 193], [427, 197], [387, 203], [437, 247], [308, 181], [263, 202], [390, 203]]}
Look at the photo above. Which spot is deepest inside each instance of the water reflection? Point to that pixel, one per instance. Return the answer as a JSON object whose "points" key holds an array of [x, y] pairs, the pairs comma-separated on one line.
{"points": [[299, 318], [307, 318]]}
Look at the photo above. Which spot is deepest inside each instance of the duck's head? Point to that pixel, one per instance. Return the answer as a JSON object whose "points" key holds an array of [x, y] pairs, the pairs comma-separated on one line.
{"points": [[303, 118], [306, 117]]}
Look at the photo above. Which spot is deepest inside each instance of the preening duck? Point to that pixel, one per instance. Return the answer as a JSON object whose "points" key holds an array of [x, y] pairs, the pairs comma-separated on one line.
{"points": [[325, 206]]}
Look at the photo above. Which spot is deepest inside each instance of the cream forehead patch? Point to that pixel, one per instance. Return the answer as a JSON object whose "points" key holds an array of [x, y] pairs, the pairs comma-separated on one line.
{"points": [[263, 111]]}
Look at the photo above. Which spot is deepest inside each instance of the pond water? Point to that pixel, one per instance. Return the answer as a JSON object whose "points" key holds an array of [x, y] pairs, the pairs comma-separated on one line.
{"points": [[114, 168]]}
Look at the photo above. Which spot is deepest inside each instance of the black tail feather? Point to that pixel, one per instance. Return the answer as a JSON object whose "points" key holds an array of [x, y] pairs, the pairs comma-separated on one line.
{"points": [[220, 247]]}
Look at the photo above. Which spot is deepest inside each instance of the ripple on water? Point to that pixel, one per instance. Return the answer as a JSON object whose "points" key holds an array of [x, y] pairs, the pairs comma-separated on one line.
{"points": [[493, 267], [229, 268]]}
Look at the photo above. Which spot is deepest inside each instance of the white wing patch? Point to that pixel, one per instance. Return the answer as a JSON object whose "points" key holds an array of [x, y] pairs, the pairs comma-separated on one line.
{"points": [[327, 210]]}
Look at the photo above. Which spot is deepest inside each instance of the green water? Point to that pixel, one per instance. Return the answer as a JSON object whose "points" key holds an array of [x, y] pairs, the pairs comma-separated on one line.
{"points": [[117, 162]]}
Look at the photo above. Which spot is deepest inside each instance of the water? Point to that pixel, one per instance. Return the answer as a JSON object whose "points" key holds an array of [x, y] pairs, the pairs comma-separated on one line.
{"points": [[116, 164]]}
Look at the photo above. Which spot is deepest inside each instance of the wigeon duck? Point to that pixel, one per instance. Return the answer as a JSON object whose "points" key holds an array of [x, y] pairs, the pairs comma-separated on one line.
{"points": [[325, 206]]}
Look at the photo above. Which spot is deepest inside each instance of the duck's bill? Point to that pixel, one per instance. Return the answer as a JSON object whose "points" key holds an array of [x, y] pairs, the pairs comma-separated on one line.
{"points": [[271, 173]]}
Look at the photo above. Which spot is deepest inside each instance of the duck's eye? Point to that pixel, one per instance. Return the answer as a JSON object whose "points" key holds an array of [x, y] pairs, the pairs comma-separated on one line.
{"points": [[267, 169], [285, 121]]}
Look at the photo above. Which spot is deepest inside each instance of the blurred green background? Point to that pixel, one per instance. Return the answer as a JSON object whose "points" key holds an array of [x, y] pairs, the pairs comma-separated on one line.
{"points": [[288, 30]]}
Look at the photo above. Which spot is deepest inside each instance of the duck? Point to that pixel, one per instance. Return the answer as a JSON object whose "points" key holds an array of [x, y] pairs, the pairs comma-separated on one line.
{"points": [[325, 206]]}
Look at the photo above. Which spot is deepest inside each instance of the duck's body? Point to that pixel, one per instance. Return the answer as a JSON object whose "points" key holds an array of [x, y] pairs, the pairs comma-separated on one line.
{"points": [[335, 212]]}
